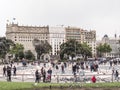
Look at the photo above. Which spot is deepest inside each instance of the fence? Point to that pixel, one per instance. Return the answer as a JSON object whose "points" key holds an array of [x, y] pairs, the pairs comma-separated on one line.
{"points": [[63, 78]]}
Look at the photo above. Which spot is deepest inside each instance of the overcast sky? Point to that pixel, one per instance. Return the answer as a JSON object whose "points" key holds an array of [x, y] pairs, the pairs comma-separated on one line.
{"points": [[100, 15]]}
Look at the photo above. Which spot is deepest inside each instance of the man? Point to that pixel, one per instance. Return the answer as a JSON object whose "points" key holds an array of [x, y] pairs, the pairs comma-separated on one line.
{"points": [[37, 75], [44, 76], [116, 75], [4, 70], [14, 71], [8, 73]]}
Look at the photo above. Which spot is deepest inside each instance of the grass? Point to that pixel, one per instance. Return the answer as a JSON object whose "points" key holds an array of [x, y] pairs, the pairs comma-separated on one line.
{"points": [[30, 85]]}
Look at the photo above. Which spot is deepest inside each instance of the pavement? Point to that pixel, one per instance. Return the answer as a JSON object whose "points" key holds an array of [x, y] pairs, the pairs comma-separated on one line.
{"points": [[27, 74]]}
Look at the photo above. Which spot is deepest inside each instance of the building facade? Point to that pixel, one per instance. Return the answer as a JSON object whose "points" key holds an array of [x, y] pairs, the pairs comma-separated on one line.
{"points": [[56, 38], [54, 35], [26, 34], [114, 44], [73, 33], [90, 38], [82, 36]]}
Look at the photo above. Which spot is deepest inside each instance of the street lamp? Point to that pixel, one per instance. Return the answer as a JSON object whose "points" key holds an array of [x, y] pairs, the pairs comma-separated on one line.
{"points": [[119, 51]]}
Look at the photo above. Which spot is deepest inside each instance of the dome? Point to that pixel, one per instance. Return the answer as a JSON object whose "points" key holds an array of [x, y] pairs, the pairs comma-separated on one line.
{"points": [[106, 35]]}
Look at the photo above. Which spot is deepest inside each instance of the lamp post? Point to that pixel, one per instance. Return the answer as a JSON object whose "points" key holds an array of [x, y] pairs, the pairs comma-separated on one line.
{"points": [[119, 51]]}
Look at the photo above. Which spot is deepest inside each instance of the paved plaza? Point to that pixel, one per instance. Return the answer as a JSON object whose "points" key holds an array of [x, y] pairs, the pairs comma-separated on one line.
{"points": [[27, 74]]}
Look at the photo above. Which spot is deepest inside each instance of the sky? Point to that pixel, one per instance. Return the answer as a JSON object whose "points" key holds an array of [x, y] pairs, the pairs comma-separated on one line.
{"points": [[100, 15]]}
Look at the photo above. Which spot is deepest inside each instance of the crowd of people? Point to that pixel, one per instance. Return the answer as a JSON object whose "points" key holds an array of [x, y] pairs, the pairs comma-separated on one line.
{"points": [[7, 72], [45, 75]]}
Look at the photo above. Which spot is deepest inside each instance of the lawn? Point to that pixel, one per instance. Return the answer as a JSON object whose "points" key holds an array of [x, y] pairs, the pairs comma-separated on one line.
{"points": [[30, 85]]}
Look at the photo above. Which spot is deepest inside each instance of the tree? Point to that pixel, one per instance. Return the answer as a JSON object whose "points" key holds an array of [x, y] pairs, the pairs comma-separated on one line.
{"points": [[103, 49], [5, 45], [17, 50], [106, 48], [41, 47], [85, 51], [21, 55], [70, 48], [29, 55], [99, 50]]}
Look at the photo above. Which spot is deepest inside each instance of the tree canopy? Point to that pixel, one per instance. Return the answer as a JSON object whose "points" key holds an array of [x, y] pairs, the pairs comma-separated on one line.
{"points": [[103, 48], [72, 48], [17, 50], [41, 47], [29, 55], [5, 45]]}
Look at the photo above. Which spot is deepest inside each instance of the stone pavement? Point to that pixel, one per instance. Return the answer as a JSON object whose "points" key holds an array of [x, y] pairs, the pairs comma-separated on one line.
{"points": [[26, 74]]}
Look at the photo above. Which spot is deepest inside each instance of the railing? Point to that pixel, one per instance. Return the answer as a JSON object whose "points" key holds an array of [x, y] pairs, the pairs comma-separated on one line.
{"points": [[62, 78]]}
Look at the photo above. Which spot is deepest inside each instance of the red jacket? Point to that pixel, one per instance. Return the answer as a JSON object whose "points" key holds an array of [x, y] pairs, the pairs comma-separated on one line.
{"points": [[93, 79]]}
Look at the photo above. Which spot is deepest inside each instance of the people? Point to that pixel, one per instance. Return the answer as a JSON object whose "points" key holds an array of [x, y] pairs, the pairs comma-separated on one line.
{"points": [[44, 75], [93, 79], [4, 70], [50, 73], [14, 71], [37, 75], [62, 68], [116, 75], [8, 73]]}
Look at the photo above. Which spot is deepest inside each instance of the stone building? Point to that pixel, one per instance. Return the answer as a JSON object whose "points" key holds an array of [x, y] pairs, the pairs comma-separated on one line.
{"points": [[54, 35], [82, 36], [90, 38], [26, 34], [56, 38], [73, 33], [114, 44]]}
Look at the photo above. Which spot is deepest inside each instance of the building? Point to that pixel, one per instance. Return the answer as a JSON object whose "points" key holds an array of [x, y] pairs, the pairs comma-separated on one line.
{"points": [[114, 44], [54, 35], [73, 33], [81, 36], [26, 34], [90, 38], [56, 38]]}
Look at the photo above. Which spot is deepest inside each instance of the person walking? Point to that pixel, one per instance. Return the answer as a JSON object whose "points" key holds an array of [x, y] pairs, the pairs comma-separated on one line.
{"points": [[42, 69], [4, 70], [37, 76], [44, 76], [8, 73], [62, 68], [14, 71], [116, 75], [50, 73]]}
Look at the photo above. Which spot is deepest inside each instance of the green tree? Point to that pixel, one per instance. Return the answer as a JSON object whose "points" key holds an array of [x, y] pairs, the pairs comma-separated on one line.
{"points": [[99, 50], [103, 49], [70, 48], [29, 55], [41, 47], [21, 55], [5, 45], [85, 50], [17, 50]]}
